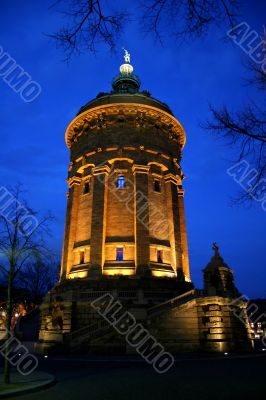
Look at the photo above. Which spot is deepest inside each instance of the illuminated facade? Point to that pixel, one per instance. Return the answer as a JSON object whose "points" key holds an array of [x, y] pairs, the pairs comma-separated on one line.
{"points": [[125, 187], [125, 234]]}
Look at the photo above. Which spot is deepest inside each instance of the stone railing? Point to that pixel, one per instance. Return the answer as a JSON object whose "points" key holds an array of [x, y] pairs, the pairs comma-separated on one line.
{"points": [[87, 332], [167, 305]]}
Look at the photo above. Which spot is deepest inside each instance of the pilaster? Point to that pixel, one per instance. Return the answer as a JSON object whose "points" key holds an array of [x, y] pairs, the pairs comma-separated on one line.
{"points": [[141, 218], [174, 221], [70, 226], [183, 231], [98, 220]]}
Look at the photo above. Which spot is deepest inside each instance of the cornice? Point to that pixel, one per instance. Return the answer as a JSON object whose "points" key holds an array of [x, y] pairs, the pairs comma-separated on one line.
{"points": [[102, 116]]}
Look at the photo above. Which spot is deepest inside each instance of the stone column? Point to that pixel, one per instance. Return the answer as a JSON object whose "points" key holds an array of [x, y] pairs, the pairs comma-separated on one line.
{"points": [[70, 227], [174, 221], [183, 230], [98, 220], [141, 219]]}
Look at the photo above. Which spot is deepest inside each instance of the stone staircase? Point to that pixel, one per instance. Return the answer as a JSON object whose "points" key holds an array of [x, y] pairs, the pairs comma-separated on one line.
{"points": [[95, 332], [76, 338]]}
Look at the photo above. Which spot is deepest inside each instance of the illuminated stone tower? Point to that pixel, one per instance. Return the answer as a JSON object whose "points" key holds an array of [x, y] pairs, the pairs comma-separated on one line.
{"points": [[125, 235], [125, 212]]}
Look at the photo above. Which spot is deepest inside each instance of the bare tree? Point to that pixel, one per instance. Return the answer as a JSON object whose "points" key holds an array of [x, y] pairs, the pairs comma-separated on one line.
{"points": [[94, 21], [38, 277], [21, 240], [89, 22], [187, 18], [246, 131]]}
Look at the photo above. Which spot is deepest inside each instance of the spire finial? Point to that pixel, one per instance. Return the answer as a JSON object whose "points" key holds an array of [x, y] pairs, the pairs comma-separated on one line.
{"points": [[126, 56], [215, 247], [126, 68], [126, 81]]}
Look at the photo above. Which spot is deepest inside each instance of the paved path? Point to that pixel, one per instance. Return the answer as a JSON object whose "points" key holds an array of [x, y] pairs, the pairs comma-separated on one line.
{"points": [[26, 383], [118, 378]]}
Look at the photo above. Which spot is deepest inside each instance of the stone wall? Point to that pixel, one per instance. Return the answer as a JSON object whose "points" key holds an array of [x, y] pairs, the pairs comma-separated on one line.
{"points": [[187, 323]]}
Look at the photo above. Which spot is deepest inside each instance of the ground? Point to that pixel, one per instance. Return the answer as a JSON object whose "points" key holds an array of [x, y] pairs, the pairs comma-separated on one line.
{"points": [[119, 378]]}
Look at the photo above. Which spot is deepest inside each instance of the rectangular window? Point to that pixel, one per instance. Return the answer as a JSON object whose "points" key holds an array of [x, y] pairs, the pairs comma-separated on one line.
{"points": [[156, 185], [119, 254], [159, 256], [86, 188], [121, 181], [81, 257]]}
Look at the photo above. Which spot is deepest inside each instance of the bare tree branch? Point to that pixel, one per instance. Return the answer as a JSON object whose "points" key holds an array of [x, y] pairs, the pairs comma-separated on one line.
{"points": [[258, 73], [38, 277], [89, 22], [246, 131], [186, 18]]}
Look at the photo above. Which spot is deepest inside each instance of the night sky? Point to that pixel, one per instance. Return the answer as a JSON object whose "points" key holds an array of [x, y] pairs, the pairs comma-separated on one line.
{"points": [[187, 77]]}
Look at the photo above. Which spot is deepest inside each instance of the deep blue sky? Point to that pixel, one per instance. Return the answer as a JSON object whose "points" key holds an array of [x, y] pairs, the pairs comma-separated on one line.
{"points": [[186, 77]]}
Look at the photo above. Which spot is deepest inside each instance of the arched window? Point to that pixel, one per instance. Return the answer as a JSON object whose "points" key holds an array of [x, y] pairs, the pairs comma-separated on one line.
{"points": [[156, 185], [86, 188], [121, 181]]}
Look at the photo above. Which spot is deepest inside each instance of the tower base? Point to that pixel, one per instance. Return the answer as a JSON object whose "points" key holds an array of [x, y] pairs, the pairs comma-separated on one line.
{"points": [[176, 315]]}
